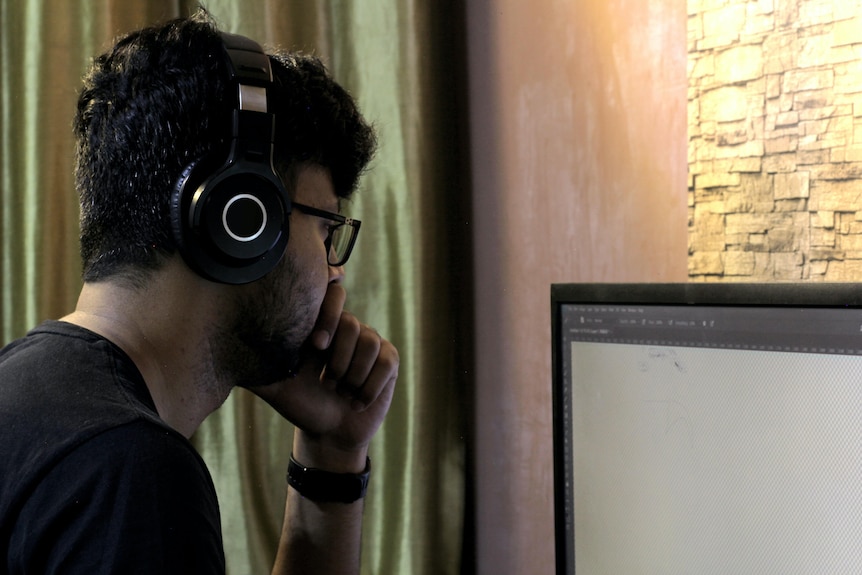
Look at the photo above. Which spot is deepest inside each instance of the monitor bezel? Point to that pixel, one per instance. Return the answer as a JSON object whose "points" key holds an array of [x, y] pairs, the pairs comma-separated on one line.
{"points": [[779, 294]]}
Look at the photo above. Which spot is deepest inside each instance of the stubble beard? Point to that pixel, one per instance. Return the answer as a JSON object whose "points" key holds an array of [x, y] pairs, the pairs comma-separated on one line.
{"points": [[261, 342]]}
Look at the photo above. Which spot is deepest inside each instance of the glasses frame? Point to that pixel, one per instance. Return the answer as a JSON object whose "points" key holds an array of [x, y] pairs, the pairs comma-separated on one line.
{"points": [[340, 221]]}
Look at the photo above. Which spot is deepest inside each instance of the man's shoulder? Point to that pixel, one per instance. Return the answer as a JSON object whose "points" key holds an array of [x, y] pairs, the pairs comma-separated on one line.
{"points": [[61, 380], [157, 461], [49, 333], [139, 456], [136, 497], [91, 476], [65, 392], [58, 350]]}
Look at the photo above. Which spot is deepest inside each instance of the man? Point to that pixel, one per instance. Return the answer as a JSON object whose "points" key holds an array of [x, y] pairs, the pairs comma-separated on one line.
{"points": [[204, 269]]}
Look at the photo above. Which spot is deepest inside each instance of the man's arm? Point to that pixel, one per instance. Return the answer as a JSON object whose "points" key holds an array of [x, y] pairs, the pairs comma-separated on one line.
{"points": [[320, 537], [337, 402]]}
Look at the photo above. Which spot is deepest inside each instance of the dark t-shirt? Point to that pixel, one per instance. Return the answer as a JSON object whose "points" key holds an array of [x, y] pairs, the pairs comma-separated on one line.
{"points": [[91, 479]]}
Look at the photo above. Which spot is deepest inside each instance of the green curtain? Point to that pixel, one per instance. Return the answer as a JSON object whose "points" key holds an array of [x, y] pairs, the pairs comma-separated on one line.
{"points": [[409, 276]]}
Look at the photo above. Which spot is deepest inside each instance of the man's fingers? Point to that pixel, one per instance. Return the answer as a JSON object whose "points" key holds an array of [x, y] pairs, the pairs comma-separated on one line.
{"points": [[341, 350], [365, 350], [381, 378], [361, 362], [329, 317]]}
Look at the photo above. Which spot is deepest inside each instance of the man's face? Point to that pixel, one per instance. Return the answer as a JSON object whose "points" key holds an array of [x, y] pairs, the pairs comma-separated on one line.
{"points": [[261, 341]]}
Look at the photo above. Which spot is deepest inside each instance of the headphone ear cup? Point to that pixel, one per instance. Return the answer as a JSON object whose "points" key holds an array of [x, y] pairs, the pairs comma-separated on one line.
{"points": [[231, 224], [230, 219], [190, 179]]}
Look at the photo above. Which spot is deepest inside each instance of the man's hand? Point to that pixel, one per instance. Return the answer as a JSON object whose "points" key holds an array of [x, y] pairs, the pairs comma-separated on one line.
{"points": [[342, 391]]}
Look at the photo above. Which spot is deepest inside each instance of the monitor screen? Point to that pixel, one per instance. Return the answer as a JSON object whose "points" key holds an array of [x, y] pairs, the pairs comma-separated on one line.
{"points": [[707, 428]]}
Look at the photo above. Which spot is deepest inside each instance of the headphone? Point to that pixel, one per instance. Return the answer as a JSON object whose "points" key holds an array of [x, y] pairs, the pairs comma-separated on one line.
{"points": [[230, 217]]}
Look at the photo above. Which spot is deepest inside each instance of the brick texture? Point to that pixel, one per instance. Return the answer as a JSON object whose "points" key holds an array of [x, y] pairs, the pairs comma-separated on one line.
{"points": [[775, 140]]}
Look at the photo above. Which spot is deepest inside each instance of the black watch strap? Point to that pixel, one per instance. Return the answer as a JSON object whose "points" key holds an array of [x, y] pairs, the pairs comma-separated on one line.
{"points": [[327, 487]]}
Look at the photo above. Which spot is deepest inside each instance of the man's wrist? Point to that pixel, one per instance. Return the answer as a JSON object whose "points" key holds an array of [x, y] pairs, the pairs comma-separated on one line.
{"points": [[325, 486], [316, 452]]}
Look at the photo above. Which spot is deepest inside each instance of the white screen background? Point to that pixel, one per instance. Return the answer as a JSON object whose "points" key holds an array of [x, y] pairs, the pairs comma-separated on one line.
{"points": [[698, 461]]}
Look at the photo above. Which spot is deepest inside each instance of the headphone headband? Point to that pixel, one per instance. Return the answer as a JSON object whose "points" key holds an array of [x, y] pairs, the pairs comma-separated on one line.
{"points": [[230, 216]]}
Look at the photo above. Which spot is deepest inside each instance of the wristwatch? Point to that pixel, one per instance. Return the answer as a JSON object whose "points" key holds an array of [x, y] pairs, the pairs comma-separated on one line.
{"points": [[325, 486]]}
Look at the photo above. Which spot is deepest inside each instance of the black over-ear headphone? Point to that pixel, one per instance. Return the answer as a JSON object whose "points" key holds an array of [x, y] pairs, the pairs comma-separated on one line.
{"points": [[230, 217]]}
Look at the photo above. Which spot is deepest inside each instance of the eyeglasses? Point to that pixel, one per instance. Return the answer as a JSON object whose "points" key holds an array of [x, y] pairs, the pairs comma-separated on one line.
{"points": [[342, 234]]}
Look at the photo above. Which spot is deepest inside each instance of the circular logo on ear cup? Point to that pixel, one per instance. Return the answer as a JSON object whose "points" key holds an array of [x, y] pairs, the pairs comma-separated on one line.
{"points": [[232, 226], [244, 218]]}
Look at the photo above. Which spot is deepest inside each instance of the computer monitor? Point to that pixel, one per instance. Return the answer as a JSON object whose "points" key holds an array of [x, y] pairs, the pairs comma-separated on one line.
{"points": [[707, 428]]}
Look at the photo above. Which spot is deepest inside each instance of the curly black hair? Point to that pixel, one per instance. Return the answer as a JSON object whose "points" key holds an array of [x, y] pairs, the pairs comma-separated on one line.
{"points": [[156, 102]]}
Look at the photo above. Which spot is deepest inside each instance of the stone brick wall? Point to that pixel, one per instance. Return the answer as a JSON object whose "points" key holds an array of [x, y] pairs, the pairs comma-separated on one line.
{"points": [[775, 140]]}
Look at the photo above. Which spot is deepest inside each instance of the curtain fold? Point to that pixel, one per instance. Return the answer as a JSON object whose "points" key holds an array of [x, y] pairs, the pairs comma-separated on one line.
{"points": [[402, 60]]}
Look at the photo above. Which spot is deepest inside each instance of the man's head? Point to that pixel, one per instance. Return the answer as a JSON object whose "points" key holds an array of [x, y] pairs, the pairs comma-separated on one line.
{"points": [[158, 101]]}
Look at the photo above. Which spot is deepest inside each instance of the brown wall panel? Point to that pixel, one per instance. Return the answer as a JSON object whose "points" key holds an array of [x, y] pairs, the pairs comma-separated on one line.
{"points": [[578, 128]]}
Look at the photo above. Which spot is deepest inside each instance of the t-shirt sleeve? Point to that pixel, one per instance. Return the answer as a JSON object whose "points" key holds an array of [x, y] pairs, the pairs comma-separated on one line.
{"points": [[133, 500]]}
